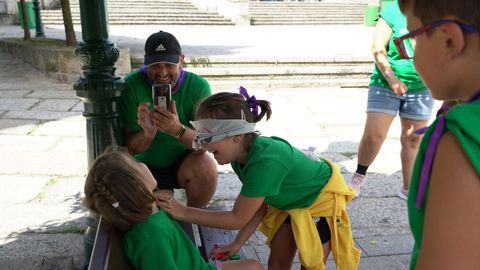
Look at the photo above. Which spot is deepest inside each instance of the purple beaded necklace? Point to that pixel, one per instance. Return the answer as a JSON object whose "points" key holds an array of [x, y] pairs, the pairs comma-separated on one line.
{"points": [[432, 148]]}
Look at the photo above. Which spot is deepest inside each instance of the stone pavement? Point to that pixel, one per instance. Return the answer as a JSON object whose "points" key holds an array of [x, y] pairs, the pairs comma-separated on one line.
{"points": [[43, 146]]}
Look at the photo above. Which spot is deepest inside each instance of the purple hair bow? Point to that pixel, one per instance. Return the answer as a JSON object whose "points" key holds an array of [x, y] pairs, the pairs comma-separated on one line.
{"points": [[251, 101]]}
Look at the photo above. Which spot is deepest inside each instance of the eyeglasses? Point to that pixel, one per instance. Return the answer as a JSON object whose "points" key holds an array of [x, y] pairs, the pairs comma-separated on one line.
{"points": [[406, 44]]}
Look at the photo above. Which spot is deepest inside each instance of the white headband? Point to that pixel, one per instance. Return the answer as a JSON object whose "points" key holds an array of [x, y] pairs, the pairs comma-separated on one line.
{"points": [[214, 130]]}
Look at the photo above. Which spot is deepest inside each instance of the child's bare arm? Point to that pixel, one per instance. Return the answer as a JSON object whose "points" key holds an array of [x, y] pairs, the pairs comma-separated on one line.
{"points": [[243, 235], [243, 211], [451, 233]]}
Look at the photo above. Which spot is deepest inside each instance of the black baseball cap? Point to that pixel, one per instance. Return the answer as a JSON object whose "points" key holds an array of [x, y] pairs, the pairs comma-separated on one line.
{"points": [[162, 47]]}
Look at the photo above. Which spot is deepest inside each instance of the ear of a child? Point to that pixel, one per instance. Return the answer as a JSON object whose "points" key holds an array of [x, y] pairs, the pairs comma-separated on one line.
{"points": [[454, 40]]}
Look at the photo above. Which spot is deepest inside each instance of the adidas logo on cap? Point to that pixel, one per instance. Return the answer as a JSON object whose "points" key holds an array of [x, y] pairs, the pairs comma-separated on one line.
{"points": [[160, 48]]}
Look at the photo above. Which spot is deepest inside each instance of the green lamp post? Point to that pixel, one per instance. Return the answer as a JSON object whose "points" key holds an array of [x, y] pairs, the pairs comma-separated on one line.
{"points": [[99, 89]]}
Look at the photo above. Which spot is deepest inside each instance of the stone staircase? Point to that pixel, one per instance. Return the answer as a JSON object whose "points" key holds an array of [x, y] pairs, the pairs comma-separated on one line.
{"points": [[307, 13], [183, 12], [144, 12], [280, 74]]}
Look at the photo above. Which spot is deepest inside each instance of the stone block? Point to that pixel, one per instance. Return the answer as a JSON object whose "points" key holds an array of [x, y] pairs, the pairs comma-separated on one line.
{"points": [[386, 245], [56, 61], [51, 263], [381, 263]]}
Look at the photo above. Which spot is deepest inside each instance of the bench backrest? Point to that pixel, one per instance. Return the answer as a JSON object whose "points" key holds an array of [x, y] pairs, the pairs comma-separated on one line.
{"points": [[107, 250]]}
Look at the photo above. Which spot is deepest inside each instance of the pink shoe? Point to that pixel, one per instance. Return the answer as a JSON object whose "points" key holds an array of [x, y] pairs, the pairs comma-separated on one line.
{"points": [[357, 182], [403, 194]]}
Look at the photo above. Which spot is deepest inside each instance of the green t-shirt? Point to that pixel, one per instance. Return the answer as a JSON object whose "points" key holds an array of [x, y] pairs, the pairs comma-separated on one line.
{"points": [[281, 173], [403, 68], [460, 122], [160, 243], [164, 149]]}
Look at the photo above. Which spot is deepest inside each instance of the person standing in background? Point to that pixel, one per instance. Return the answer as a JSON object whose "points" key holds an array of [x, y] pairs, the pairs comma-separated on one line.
{"points": [[395, 87]]}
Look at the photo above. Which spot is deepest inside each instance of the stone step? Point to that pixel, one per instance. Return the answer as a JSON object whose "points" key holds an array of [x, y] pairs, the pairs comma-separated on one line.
{"points": [[146, 22], [298, 13], [293, 12], [253, 72], [224, 74], [149, 14], [306, 8], [138, 12], [309, 16], [139, 9], [228, 85], [356, 22]]}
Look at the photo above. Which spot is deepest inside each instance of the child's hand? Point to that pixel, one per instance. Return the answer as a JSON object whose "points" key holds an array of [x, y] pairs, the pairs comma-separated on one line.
{"points": [[173, 207], [224, 252]]}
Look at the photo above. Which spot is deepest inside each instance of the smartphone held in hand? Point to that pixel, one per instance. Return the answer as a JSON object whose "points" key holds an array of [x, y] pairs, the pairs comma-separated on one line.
{"points": [[162, 94]]}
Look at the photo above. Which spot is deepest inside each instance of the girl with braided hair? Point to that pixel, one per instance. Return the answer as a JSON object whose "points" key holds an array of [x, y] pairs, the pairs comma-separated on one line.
{"points": [[121, 190], [299, 201]]}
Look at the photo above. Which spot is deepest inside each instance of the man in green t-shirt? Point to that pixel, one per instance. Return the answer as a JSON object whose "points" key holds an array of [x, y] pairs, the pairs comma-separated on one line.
{"points": [[160, 137]]}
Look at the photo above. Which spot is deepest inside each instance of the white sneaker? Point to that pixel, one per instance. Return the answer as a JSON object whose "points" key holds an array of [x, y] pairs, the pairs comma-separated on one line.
{"points": [[357, 182], [403, 194]]}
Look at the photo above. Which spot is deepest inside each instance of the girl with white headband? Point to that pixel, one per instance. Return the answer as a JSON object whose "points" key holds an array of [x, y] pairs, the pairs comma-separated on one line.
{"points": [[299, 202]]}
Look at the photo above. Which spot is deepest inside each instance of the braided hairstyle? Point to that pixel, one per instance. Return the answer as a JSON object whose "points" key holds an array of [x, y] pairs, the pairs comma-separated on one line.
{"points": [[112, 179], [226, 105]]}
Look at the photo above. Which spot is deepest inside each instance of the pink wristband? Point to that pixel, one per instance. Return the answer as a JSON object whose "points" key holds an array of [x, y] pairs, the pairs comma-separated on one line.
{"points": [[389, 74]]}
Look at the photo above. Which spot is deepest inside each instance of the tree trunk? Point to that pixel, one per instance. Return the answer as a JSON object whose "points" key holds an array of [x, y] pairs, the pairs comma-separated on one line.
{"points": [[67, 22], [26, 30]]}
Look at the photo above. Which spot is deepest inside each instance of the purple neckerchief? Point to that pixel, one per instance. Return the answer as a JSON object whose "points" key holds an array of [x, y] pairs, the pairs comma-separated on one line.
{"points": [[432, 148], [181, 78], [442, 110], [251, 101]]}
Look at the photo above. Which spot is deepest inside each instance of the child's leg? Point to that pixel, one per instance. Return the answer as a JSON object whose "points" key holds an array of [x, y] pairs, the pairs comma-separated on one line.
{"points": [[283, 249], [249, 264]]}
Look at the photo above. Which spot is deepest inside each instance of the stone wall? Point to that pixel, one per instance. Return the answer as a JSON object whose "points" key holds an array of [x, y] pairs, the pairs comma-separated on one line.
{"points": [[8, 12], [57, 62]]}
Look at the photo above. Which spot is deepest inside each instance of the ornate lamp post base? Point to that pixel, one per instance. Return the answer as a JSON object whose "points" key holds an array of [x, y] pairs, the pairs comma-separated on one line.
{"points": [[100, 90]]}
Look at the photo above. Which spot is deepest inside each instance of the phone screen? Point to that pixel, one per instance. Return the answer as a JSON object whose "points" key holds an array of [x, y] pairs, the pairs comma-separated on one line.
{"points": [[162, 94]]}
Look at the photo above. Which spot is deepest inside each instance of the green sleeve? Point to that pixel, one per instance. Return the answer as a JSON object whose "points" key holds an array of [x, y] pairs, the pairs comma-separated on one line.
{"points": [[389, 14], [459, 122], [129, 109]]}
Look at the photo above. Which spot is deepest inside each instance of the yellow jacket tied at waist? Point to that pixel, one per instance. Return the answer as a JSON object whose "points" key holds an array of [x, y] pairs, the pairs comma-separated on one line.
{"points": [[331, 203]]}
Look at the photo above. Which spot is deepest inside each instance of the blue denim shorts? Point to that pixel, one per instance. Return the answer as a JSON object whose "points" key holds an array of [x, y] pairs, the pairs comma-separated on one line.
{"points": [[415, 106]]}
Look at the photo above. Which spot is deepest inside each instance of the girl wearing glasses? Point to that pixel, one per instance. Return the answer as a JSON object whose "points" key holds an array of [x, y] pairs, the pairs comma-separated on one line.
{"points": [[395, 88], [121, 190], [299, 201]]}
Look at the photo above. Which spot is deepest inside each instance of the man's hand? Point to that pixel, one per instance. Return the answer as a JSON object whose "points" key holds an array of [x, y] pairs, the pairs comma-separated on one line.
{"points": [[166, 121], [397, 86], [144, 120]]}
